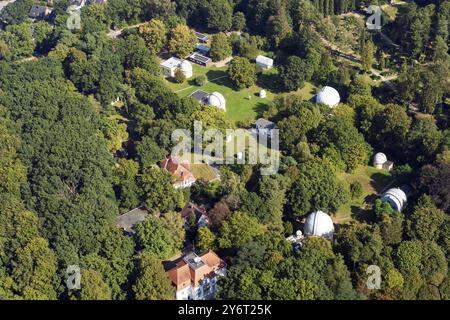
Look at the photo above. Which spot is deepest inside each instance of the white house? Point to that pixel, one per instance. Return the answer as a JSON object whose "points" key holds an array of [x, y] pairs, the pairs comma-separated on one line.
{"points": [[180, 170], [264, 62], [170, 66], [195, 277]]}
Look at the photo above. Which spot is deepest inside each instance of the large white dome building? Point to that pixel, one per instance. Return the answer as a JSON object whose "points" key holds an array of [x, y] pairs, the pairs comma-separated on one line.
{"points": [[186, 68], [216, 99], [329, 96], [396, 197], [319, 224]]}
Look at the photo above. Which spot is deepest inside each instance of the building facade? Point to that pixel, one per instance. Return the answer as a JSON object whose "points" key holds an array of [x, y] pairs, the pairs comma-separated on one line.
{"points": [[180, 170], [195, 276]]}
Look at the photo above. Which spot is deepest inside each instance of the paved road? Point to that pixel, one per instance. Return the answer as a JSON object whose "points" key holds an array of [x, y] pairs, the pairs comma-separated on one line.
{"points": [[354, 57], [116, 33], [5, 3]]}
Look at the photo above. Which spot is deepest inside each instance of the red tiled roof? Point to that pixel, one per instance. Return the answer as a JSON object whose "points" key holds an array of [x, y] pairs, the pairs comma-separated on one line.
{"points": [[182, 274], [180, 168]]}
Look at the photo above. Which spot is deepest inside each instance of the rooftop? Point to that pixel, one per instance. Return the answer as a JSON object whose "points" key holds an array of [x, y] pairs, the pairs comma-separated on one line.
{"points": [[128, 221], [192, 269], [263, 123], [39, 11], [199, 57], [200, 95], [172, 63], [201, 36]]}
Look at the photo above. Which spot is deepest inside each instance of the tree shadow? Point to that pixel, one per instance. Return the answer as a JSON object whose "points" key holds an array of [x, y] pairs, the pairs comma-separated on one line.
{"points": [[260, 108], [362, 215], [379, 181], [271, 82], [214, 74]]}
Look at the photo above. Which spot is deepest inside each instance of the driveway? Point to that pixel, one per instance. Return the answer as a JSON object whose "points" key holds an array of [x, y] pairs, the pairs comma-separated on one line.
{"points": [[5, 3]]}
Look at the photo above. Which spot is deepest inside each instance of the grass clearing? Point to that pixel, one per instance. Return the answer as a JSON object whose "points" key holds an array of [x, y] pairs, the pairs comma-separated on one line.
{"points": [[203, 172], [242, 105], [373, 181]]}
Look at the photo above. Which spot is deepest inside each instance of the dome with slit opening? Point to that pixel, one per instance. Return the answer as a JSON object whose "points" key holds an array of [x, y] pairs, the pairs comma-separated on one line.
{"points": [[396, 197], [319, 224], [379, 158], [216, 99]]}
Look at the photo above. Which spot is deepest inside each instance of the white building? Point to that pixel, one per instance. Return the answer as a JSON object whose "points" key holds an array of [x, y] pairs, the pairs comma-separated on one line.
{"points": [[296, 240], [195, 277], [170, 66], [380, 161], [264, 62], [215, 99], [319, 224], [329, 96], [396, 197], [180, 170]]}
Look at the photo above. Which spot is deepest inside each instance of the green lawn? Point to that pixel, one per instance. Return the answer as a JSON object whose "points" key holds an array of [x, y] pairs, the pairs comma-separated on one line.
{"points": [[242, 105], [203, 172], [307, 92], [374, 181]]}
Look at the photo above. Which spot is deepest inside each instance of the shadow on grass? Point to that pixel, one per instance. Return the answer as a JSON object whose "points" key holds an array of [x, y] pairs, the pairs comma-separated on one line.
{"points": [[362, 215], [214, 74], [260, 108], [270, 82], [379, 181]]}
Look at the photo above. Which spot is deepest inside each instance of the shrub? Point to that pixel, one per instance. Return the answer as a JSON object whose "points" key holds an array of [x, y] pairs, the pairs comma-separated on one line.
{"points": [[355, 189], [179, 76], [201, 80]]}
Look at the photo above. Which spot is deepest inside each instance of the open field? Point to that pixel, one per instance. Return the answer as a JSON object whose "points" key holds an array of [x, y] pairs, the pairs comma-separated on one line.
{"points": [[203, 172], [242, 105], [373, 181]]}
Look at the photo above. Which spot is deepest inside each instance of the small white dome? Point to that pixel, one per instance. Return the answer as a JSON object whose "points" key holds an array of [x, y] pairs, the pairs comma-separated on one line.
{"points": [[320, 224], [263, 93], [396, 197], [216, 99], [328, 96], [379, 158]]}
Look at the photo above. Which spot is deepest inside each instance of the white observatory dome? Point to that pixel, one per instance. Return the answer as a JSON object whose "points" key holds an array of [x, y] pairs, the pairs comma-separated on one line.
{"points": [[396, 197], [216, 99], [379, 158], [186, 68], [328, 96], [320, 224]]}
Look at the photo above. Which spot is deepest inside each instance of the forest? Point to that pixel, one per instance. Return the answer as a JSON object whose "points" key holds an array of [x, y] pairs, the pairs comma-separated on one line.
{"points": [[86, 117]]}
